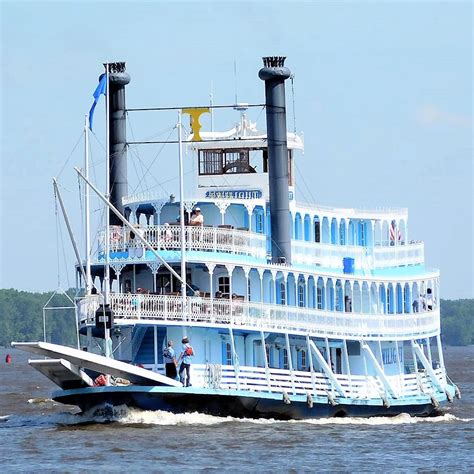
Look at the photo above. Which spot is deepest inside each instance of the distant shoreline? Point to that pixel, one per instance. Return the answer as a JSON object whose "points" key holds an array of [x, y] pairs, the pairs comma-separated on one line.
{"points": [[21, 319]]}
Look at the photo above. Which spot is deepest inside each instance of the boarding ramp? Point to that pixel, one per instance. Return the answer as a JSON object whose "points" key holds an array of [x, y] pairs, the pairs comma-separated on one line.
{"points": [[62, 373], [98, 363]]}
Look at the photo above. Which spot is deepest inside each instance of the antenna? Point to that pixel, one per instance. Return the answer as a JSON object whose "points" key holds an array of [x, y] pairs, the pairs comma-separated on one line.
{"points": [[211, 103], [235, 81]]}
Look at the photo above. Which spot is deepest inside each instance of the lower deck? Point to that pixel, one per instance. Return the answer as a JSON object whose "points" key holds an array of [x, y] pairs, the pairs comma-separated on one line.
{"points": [[286, 363]]}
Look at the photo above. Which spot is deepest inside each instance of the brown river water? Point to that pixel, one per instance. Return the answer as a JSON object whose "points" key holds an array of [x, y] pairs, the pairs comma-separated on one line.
{"points": [[37, 434]]}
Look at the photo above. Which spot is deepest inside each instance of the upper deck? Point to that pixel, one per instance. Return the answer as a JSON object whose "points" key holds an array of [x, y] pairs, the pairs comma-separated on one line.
{"points": [[238, 222], [222, 242]]}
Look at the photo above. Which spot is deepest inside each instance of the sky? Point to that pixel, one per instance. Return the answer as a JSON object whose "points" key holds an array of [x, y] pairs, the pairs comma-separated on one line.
{"points": [[382, 91]]}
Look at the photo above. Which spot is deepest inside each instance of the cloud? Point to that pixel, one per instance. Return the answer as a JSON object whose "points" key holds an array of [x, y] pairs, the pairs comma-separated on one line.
{"points": [[430, 115]]}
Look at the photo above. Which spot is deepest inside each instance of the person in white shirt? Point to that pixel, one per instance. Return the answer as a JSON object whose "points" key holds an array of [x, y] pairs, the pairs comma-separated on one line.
{"points": [[197, 218], [429, 299]]}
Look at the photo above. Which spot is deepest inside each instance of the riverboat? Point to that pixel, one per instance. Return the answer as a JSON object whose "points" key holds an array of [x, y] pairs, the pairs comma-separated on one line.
{"points": [[293, 310]]}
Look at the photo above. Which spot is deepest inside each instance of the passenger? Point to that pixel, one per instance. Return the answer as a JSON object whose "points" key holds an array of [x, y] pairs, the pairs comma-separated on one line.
{"points": [[429, 299], [415, 305], [422, 303], [186, 357], [347, 304], [169, 356], [218, 295], [167, 233], [197, 219]]}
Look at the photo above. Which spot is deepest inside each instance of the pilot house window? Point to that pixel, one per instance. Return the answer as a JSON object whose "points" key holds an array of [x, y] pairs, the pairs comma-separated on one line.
{"points": [[210, 162], [224, 162]]}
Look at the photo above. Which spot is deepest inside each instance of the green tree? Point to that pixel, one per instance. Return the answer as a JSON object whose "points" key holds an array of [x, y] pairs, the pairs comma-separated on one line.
{"points": [[21, 318]]}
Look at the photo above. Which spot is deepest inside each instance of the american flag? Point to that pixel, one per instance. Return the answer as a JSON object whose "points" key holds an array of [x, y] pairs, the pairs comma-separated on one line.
{"points": [[393, 232]]}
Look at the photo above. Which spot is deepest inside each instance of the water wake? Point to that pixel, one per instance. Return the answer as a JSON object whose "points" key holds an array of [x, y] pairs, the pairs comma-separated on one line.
{"points": [[128, 415], [125, 415]]}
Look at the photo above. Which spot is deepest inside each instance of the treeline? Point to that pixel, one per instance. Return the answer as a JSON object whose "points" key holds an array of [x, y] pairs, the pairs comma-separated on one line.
{"points": [[457, 328], [21, 319]]}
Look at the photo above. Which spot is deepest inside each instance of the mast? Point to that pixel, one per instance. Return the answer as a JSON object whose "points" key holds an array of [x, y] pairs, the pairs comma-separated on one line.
{"points": [[181, 208], [69, 228], [88, 282], [107, 214]]}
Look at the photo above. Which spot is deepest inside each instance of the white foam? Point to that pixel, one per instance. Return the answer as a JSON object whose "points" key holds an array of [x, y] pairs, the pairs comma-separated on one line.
{"points": [[402, 419], [126, 415], [131, 416], [40, 400]]}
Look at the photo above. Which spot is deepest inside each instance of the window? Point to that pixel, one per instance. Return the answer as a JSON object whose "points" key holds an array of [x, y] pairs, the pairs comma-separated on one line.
{"points": [[282, 292], [319, 295], [210, 162], [259, 222], [224, 161], [249, 287], [342, 234], [303, 359], [285, 359], [301, 295], [228, 353], [317, 232], [224, 285], [362, 233], [236, 161], [339, 302]]}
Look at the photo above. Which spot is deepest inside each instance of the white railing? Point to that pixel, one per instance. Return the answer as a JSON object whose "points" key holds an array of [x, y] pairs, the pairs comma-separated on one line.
{"points": [[324, 255], [265, 317], [257, 379], [242, 242], [409, 254], [168, 237], [360, 212], [329, 255]]}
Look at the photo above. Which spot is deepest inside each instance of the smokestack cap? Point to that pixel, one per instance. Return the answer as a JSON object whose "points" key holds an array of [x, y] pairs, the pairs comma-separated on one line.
{"points": [[117, 78], [117, 74], [274, 69]]}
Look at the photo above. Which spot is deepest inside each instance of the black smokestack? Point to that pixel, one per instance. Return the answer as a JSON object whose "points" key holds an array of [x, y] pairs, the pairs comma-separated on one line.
{"points": [[118, 79], [274, 73]]}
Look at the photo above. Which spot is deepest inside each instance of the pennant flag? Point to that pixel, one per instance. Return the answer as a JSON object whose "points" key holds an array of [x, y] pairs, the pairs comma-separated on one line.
{"points": [[101, 89]]}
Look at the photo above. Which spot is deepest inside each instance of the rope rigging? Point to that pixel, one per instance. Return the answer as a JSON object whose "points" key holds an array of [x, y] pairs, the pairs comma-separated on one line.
{"points": [[70, 155], [135, 151], [148, 168], [60, 243]]}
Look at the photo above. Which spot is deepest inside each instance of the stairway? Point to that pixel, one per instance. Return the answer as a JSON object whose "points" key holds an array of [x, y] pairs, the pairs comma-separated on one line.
{"points": [[145, 353]]}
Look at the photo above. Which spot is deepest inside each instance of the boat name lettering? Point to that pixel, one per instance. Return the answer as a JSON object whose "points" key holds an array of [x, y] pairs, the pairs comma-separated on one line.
{"points": [[238, 194]]}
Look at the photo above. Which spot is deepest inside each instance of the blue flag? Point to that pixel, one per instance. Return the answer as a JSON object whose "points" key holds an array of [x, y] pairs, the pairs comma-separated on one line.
{"points": [[101, 89]]}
